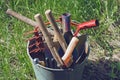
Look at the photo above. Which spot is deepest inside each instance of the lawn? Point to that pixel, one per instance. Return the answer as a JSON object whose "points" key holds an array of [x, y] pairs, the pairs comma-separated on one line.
{"points": [[104, 40]]}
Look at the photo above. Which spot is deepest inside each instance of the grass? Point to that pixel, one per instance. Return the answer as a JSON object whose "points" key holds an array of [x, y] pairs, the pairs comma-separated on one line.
{"points": [[14, 61]]}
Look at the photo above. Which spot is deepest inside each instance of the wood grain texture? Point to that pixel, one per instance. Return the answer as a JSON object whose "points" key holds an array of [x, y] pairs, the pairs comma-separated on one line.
{"points": [[67, 57], [61, 39], [48, 40]]}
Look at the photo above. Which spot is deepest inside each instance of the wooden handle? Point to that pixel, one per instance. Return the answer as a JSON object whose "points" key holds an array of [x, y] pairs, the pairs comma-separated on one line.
{"points": [[51, 19], [67, 56], [21, 17], [86, 47], [25, 19], [48, 40]]}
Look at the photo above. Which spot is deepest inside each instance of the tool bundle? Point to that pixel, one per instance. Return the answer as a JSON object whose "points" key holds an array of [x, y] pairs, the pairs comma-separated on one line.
{"points": [[54, 44]]}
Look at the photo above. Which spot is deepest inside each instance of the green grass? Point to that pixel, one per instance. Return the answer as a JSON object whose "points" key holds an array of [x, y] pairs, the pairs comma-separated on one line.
{"points": [[14, 62]]}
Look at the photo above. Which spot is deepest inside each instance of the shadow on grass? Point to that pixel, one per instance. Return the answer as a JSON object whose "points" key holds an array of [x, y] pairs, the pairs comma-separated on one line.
{"points": [[102, 70]]}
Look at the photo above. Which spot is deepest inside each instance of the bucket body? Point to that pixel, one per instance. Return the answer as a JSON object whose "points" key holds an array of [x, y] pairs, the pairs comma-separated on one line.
{"points": [[73, 73]]}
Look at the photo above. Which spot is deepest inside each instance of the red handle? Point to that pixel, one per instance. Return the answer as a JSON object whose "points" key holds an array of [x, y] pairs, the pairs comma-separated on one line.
{"points": [[89, 24]]}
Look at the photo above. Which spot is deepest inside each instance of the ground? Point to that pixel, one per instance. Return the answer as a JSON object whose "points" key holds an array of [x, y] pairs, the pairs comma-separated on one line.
{"points": [[104, 58], [104, 66]]}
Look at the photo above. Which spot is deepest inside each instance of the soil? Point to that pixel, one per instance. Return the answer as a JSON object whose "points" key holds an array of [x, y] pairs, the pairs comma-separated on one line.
{"points": [[103, 64]]}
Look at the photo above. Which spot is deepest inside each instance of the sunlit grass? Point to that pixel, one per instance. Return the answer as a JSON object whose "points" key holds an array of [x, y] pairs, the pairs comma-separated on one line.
{"points": [[14, 61]]}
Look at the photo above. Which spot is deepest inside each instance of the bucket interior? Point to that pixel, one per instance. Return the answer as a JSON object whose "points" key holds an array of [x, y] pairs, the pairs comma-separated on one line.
{"points": [[80, 48]]}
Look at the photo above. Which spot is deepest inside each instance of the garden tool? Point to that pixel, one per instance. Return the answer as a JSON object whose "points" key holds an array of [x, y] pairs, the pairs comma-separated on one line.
{"points": [[49, 41], [60, 38], [67, 33], [85, 25]]}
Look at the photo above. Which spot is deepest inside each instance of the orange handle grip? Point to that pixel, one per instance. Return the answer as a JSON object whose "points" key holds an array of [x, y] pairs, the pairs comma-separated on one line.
{"points": [[89, 24]]}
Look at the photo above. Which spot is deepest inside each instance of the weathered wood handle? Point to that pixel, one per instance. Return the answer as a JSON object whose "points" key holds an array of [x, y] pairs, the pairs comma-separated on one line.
{"points": [[61, 39], [67, 56], [25, 19], [48, 40], [22, 18]]}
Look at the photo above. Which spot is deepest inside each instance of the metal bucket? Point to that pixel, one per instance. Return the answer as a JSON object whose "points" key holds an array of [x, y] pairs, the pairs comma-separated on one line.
{"points": [[73, 73]]}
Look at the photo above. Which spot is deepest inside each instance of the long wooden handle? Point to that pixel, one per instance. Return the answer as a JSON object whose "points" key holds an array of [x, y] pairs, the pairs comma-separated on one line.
{"points": [[61, 39], [25, 19], [48, 40], [22, 18], [67, 56]]}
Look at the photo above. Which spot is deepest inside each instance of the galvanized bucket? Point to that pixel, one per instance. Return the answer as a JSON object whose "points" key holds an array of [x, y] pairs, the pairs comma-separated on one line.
{"points": [[72, 73]]}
